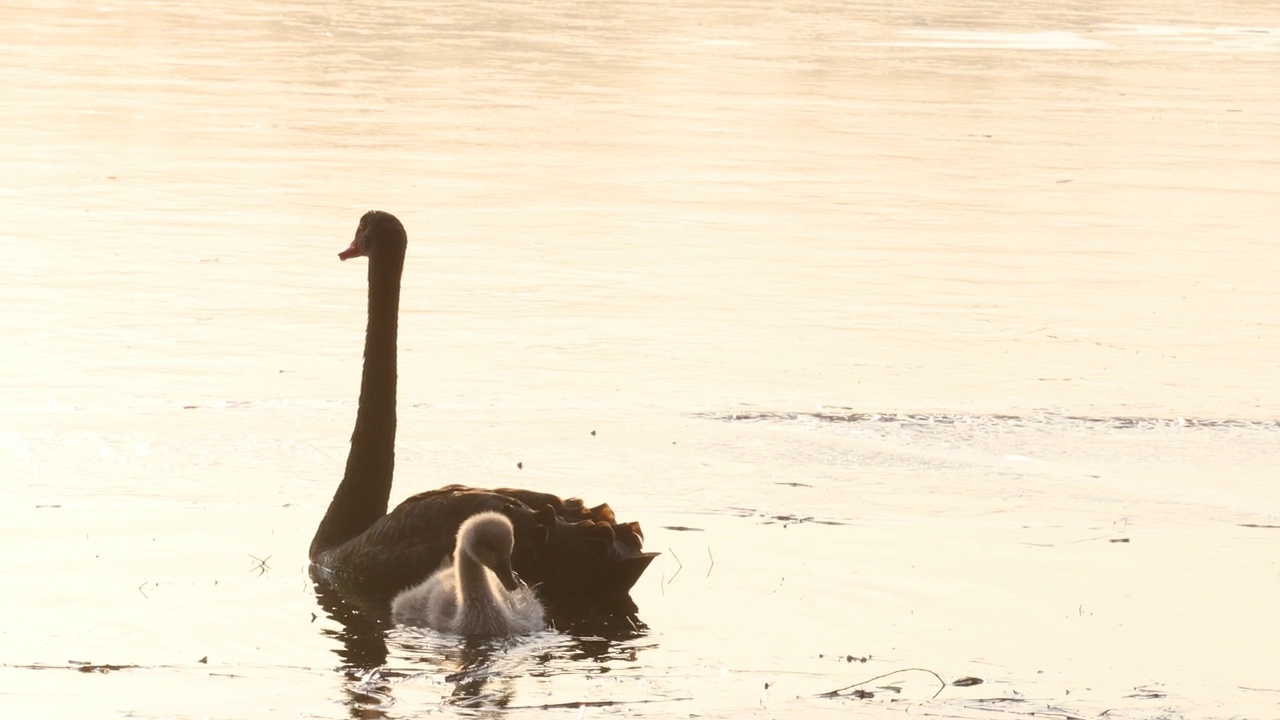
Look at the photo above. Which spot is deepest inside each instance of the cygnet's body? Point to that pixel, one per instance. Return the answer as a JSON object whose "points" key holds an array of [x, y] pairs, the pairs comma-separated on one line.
{"points": [[478, 594]]}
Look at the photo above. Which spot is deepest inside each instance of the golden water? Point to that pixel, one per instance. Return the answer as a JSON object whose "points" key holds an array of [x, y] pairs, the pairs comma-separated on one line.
{"points": [[733, 241]]}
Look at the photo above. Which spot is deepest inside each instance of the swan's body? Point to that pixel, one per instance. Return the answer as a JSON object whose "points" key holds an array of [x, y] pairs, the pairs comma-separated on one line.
{"points": [[478, 594], [569, 550]]}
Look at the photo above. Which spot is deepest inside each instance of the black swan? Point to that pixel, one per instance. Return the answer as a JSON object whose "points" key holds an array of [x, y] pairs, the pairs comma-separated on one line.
{"points": [[570, 552], [478, 594]]}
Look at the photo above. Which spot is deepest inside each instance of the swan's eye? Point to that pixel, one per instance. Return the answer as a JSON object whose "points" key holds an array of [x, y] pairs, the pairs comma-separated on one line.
{"points": [[362, 238]]}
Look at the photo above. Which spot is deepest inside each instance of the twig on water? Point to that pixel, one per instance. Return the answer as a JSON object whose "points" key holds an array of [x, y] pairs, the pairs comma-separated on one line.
{"points": [[78, 666], [942, 684], [144, 584], [106, 668], [593, 703], [680, 565], [713, 561], [262, 567]]}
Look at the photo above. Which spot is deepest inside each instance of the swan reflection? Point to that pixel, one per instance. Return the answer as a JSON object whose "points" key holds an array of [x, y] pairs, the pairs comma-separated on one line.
{"points": [[378, 658]]}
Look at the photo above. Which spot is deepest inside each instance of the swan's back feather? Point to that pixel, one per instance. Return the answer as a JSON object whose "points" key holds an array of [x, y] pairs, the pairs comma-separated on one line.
{"points": [[565, 548]]}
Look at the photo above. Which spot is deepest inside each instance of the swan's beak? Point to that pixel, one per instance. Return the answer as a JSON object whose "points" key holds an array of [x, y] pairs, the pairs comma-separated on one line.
{"points": [[353, 251], [507, 577]]}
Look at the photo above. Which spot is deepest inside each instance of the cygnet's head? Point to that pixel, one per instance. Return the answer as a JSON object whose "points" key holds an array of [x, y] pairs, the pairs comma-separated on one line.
{"points": [[379, 232], [489, 539]]}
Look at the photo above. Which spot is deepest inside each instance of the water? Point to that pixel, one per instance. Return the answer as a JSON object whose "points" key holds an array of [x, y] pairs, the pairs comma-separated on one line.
{"points": [[942, 335]]}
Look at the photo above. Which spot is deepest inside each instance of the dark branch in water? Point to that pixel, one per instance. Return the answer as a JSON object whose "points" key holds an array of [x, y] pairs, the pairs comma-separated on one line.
{"points": [[942, 684], [592, 704], [81, 667]]}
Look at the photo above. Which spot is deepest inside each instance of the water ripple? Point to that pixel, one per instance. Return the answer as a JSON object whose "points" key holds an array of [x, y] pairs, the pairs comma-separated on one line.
{"points": [[1048, 420]]}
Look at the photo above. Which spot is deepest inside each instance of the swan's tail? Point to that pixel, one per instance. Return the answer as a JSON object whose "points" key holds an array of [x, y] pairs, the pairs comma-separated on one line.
{"points": [[583, 551]]}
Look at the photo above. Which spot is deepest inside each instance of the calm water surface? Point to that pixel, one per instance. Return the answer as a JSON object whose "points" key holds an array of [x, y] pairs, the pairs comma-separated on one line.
{"points": [[918, 335]]}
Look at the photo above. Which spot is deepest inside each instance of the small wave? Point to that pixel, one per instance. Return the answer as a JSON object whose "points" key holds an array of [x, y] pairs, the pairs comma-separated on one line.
{"points": [[1118, 422]]}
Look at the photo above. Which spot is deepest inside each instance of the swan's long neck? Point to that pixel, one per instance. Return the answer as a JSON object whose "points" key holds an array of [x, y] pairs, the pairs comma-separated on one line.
{"points": [[366, 485], [478, 608]]}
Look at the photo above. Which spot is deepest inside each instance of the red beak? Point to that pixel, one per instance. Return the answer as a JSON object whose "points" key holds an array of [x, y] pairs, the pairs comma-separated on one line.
{"points": [[353, 251]]}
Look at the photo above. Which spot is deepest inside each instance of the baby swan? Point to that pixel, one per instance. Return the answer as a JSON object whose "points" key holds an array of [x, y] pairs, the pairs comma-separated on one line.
{"points": [[466, 597]]}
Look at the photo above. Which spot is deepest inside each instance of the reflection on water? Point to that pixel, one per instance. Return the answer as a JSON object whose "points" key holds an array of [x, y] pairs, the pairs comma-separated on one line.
{"points": [[479, 671], [362, 633]]}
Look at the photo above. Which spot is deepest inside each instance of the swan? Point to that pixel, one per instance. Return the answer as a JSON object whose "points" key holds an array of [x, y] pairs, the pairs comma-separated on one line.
{"points": [[478, 594], [572, 552]]}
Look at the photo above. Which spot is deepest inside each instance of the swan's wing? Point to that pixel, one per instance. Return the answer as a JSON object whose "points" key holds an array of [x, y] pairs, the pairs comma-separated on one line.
{"points": [[410, 543], [574, 510], [432, 603], [570, 550], [580, 552]]}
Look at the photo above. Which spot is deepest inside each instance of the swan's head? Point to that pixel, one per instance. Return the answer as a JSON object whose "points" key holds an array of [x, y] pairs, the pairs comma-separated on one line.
{"points": [[378, 233], [489, 539]]}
